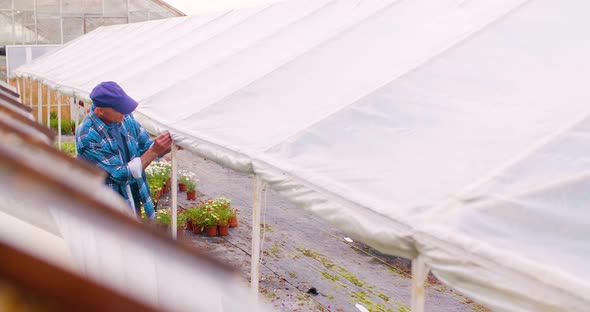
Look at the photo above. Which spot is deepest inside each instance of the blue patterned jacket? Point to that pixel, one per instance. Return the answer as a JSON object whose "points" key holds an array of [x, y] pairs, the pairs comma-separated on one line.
{"points": [[96, 145]]}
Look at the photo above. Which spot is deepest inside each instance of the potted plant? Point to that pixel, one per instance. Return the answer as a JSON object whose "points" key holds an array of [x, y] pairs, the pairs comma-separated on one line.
{"points": [[210, 225], [163, 170], [182, 217], [191, 189], [194, 216], [157, 173], [233, 219], [154, 192], [163, 218], [233, 212], [209, 218], [186, 177], [221, 207], [223, 226], [188, 213]]}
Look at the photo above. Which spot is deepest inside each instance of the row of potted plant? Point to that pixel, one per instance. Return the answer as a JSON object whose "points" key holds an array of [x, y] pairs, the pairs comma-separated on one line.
{"points": [[187, 183], [158, 177], [164, 220], [214, 217]]}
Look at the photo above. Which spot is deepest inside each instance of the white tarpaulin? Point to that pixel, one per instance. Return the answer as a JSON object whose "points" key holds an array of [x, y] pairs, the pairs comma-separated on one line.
{"points": [[454, 131]]}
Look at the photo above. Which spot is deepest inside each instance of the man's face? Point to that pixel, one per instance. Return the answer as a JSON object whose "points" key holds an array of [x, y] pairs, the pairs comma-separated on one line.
{"points": [[109, 115]]}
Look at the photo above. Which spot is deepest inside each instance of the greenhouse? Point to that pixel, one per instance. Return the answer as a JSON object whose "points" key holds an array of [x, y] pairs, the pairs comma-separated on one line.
{"points": [[26, 22], [452, 134]]}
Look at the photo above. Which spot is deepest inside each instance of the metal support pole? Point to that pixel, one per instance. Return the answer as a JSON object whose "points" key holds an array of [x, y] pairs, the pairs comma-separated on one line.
{"points": [[13, 11], [71, 101], [256, 209], [78, 114], [419, 274], [174, 188], [48, 103], [39, 103], [30, 89], [59, 103], [61, 22], [36, 22], [19, 88], [23, 96]]}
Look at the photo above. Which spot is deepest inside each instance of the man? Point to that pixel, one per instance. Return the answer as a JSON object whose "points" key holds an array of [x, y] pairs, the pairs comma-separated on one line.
{"points": [[111, 138]]}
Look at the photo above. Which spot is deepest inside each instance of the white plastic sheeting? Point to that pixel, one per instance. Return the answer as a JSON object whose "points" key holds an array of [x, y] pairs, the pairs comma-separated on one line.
{"points": [[454, 130]]}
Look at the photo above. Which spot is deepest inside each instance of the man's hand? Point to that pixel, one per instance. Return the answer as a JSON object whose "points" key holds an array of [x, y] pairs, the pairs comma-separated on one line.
{"points": [[162, 144]]}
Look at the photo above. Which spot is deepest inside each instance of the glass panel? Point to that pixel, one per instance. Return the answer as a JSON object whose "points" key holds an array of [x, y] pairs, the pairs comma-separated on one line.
{"points": [[6, 32], [16, 56], [25, 27], [49, 30], [141, 10], [48, 7], [137, 5], [3, 74], [93, 23], [37, 51], [157, 15], [138, 16], [115, 7], [115, 12], [24, 5], [5, 4], [114, 20], [25, 18], [79, 7], [73, 28], [154, 7]]}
